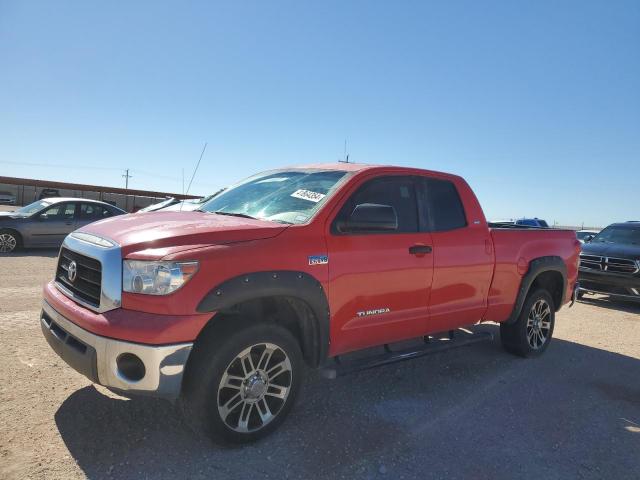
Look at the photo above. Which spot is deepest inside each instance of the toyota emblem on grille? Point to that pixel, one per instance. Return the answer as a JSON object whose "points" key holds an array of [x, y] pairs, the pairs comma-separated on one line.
{"points": [[72, 271]]}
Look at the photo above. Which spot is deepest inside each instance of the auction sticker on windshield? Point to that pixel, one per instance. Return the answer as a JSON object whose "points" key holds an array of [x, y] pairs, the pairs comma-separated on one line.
{"points": [[314, 197]]}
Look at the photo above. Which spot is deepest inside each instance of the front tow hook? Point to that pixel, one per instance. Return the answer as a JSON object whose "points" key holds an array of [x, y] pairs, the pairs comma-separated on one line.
{"points": [[574, 296]]}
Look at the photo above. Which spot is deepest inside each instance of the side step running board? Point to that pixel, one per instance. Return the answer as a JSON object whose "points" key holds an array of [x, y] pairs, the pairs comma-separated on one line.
{"points": [[431, 345]]}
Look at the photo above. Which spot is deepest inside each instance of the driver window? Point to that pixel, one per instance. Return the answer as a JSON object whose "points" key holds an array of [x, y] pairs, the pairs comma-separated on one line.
{"points": [[60, 211], [396, 191]]}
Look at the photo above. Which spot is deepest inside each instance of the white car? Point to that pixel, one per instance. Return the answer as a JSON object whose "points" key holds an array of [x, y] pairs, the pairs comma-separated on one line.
{"points": [[583, 235], [190, 205], [7, 198]]}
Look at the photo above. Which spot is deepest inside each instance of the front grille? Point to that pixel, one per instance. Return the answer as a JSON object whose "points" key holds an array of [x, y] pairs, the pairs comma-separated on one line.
{"points": [[621, 265], [608, 264], [87, 284], [592, 262]]}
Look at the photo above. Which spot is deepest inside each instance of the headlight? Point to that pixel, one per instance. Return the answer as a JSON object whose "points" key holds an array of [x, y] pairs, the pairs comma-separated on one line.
{"points": [[156, 278]]}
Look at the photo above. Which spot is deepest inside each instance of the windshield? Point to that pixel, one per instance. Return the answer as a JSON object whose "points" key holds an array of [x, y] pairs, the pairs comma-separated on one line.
{"points": [[281, 196], [32, 208], [625, 235]]}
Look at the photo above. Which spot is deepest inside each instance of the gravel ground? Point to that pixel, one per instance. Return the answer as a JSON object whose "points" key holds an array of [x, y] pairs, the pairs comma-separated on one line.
{"points": [[475, 412]]}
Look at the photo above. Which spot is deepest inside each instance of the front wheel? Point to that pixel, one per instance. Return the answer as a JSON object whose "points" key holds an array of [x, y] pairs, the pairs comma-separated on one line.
{"points": [[9, 241], [244, 388], [531, 333]]}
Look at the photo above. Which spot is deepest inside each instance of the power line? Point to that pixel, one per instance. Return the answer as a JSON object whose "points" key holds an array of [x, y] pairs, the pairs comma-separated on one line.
{"points": [[138, 172], [57, 165]]}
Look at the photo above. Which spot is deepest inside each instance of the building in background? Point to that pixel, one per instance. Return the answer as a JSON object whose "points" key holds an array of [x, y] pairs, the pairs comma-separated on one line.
{"points": [[27, 190]]}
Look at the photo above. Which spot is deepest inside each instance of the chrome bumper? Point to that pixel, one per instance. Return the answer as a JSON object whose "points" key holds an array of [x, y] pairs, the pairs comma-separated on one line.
{"points": [[97, 357]]}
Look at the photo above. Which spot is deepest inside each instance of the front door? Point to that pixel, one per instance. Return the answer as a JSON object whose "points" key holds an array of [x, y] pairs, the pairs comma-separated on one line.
{"points": [[379, 282], [51, 226]]}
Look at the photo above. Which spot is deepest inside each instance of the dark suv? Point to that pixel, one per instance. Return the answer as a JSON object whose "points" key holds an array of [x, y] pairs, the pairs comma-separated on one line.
{"points": [[610, 262], [48, 193]]}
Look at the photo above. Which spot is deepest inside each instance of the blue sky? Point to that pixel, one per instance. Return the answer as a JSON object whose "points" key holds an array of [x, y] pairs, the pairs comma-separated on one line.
{"points": [[536, 104]]}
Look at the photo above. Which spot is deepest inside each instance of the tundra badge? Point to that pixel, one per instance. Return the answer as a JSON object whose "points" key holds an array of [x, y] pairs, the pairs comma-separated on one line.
{"points": [[375, 311]]}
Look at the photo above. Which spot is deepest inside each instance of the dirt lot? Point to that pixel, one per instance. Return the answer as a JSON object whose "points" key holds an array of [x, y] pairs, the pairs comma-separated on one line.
{"points": [[475, 412]]}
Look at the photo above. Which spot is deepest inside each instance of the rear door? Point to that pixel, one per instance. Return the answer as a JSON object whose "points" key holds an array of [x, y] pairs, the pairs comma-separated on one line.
{"points": [[462, 257], [379, 282], [51, 226], [92, 212]]}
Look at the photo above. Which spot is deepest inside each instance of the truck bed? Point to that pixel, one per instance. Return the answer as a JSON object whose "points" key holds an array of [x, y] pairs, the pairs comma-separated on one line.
{"points": [[514, 248]]}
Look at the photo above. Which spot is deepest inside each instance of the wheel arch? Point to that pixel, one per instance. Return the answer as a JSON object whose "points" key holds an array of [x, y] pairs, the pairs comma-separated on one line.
{"points": [[548, 272], [294, 299]]}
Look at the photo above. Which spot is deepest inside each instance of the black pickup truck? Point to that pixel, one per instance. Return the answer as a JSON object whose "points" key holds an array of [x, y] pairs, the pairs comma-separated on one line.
{"points": [[610, 262]]}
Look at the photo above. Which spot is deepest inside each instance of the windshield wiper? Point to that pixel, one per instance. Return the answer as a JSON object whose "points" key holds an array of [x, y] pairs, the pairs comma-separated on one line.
{"points": [[232, 214]]}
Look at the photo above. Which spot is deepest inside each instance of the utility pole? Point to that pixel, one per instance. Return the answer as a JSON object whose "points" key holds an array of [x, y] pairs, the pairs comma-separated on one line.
{"points": [[126, 187], [126, 178]]}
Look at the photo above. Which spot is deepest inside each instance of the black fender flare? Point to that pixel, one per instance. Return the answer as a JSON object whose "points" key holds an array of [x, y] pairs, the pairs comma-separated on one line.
{"points": [[536, 267], [279, 283]]}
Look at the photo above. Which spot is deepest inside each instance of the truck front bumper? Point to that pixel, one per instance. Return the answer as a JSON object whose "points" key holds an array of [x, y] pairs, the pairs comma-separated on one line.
{"points": [[122, 366]]}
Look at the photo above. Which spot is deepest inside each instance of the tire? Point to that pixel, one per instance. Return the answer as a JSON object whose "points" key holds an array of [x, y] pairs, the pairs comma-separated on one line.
{"points": [[530, 334], [242, 383], [9, 241]]}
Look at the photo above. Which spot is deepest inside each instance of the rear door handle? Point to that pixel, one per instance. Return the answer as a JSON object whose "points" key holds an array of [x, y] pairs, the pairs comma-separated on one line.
{"points": [[419, 249]]}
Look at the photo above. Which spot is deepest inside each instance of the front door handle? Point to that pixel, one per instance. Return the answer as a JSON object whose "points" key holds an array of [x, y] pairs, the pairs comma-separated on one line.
{"points": [[419, 249]]}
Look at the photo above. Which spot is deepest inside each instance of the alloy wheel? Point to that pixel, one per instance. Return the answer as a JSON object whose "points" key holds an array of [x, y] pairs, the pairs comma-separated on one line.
{"points": [[254, 387], [7, 243], [538, 324]]}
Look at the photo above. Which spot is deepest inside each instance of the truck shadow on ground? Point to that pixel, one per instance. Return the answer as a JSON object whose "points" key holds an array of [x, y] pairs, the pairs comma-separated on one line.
{"points": [[409, 419]]}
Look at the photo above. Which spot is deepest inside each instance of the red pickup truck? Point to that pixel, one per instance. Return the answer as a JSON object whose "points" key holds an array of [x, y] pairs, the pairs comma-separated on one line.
{"points": [[221, 308]]}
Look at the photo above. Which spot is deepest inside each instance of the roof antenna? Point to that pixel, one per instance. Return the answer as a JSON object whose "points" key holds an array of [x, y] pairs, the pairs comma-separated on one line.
{"points": [[194, 174], [345, 158]]}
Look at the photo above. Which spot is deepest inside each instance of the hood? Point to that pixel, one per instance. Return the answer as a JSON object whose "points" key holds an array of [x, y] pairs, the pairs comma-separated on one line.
{"points": [[162, 233], [618, 250], [9, 215]]}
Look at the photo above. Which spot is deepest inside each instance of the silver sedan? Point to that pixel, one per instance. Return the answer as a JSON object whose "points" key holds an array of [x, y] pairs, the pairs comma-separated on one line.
{"points": [[47, 222]]}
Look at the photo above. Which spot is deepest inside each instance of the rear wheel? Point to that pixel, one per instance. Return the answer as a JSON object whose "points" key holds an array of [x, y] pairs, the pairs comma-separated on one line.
{"points": [[245, 388], [531, 333], [9, 241]]}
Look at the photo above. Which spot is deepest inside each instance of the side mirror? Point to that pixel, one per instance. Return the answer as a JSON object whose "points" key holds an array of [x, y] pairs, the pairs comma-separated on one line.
{"points": [[588, 238], [43, 216], [370, 217]]}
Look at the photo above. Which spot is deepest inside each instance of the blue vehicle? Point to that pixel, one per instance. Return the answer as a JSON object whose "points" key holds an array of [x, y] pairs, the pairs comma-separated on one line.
{"points": [[532, 222]]}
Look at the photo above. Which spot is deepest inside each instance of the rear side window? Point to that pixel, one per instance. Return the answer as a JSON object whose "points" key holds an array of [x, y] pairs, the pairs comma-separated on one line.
{"points": [[107, 212], [445, 210], [398, 192], [92, 211]]}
